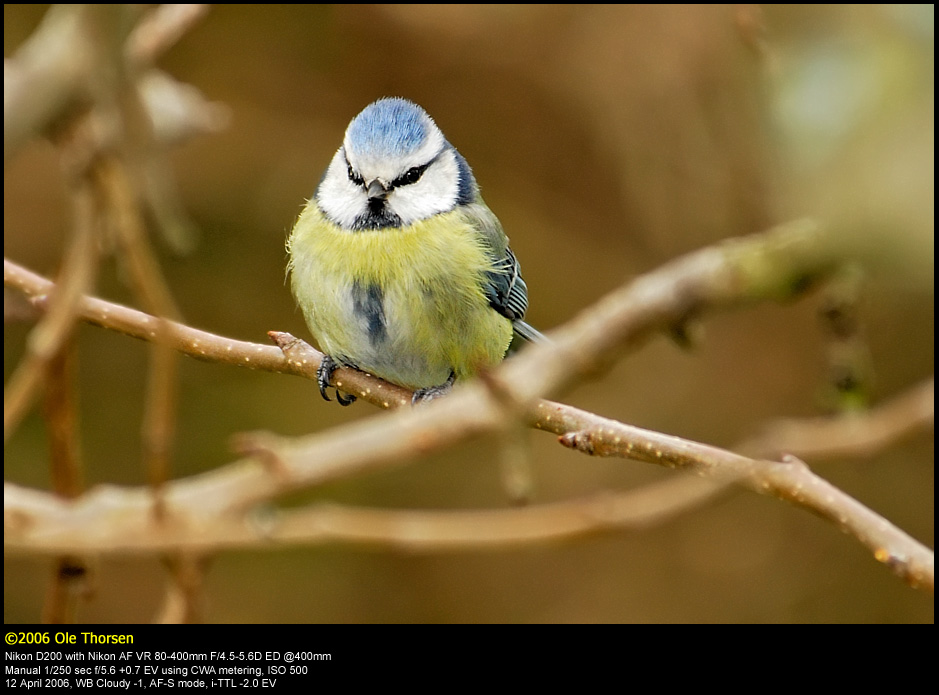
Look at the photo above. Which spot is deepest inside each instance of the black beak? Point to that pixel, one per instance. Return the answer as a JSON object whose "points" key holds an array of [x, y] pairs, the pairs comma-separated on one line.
{"points": [[376, 190]]}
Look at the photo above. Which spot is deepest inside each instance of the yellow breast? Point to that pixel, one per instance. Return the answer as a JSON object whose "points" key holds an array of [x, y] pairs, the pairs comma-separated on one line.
{"points": [[426, 281]]}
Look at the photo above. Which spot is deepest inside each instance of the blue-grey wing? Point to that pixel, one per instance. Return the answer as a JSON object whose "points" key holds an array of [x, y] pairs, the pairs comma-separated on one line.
{"points": [[503, 284], [507, 291]]}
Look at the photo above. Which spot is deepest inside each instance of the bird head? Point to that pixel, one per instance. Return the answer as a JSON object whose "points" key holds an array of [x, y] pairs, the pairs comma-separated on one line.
{"points": [[394, 168]]}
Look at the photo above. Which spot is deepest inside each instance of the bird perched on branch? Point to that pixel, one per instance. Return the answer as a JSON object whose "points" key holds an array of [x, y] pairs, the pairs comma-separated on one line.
{"points": [[399, 267]]}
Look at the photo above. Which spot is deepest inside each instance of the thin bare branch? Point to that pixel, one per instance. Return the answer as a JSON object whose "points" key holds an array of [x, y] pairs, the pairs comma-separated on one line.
{"points": [[790, 480], [52, 332], [160, 413], [849, 361], [68, 583], [853, 434], [183, 601], [68, 586], [61, 417], [190, 341], [160, 29]]}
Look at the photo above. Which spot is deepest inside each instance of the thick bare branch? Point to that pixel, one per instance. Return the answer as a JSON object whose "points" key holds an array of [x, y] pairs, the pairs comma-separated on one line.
{"points": [[415, 531]]}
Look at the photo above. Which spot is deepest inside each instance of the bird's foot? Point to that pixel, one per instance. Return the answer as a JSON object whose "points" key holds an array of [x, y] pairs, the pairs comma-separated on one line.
{"points": [[429, 393], [325, 374]]}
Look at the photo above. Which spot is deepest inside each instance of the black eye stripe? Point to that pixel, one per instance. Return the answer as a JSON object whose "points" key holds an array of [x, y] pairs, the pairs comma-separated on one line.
{"points": [[353, 177], [412, 175]]}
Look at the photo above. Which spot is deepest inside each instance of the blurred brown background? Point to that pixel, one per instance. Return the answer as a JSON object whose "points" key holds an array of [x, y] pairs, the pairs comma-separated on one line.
{"points": [[608, 140]]}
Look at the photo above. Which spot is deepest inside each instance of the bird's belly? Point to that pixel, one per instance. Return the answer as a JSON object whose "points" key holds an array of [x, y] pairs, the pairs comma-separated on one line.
{"points": [[415, 336]]}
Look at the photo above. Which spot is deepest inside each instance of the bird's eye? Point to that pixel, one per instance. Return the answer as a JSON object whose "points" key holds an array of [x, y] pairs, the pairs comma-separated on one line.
{"points": [[412, 175], [355, 178]]}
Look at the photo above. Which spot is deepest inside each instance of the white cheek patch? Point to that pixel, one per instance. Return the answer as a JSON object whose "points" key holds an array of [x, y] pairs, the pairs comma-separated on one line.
{"points": [[435, 192], [339, 198]]}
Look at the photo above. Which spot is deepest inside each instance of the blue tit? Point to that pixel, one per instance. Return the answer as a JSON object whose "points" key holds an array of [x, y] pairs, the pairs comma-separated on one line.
{"points": [[399, 267]]}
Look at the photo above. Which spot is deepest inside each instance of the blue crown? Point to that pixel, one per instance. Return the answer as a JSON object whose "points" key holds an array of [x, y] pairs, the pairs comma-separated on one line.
{"points": [[390, 127]]}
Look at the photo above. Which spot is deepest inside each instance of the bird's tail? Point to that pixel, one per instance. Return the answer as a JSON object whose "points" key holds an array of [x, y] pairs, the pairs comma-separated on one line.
{"points": [[532, 335]]}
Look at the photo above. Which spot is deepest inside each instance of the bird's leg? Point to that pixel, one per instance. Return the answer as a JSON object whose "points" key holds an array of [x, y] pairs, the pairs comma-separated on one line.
{"points": [[429, 393]]}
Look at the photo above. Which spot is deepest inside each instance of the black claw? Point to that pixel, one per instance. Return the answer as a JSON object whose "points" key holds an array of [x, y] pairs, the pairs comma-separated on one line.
{"points": [[324, 375]]}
